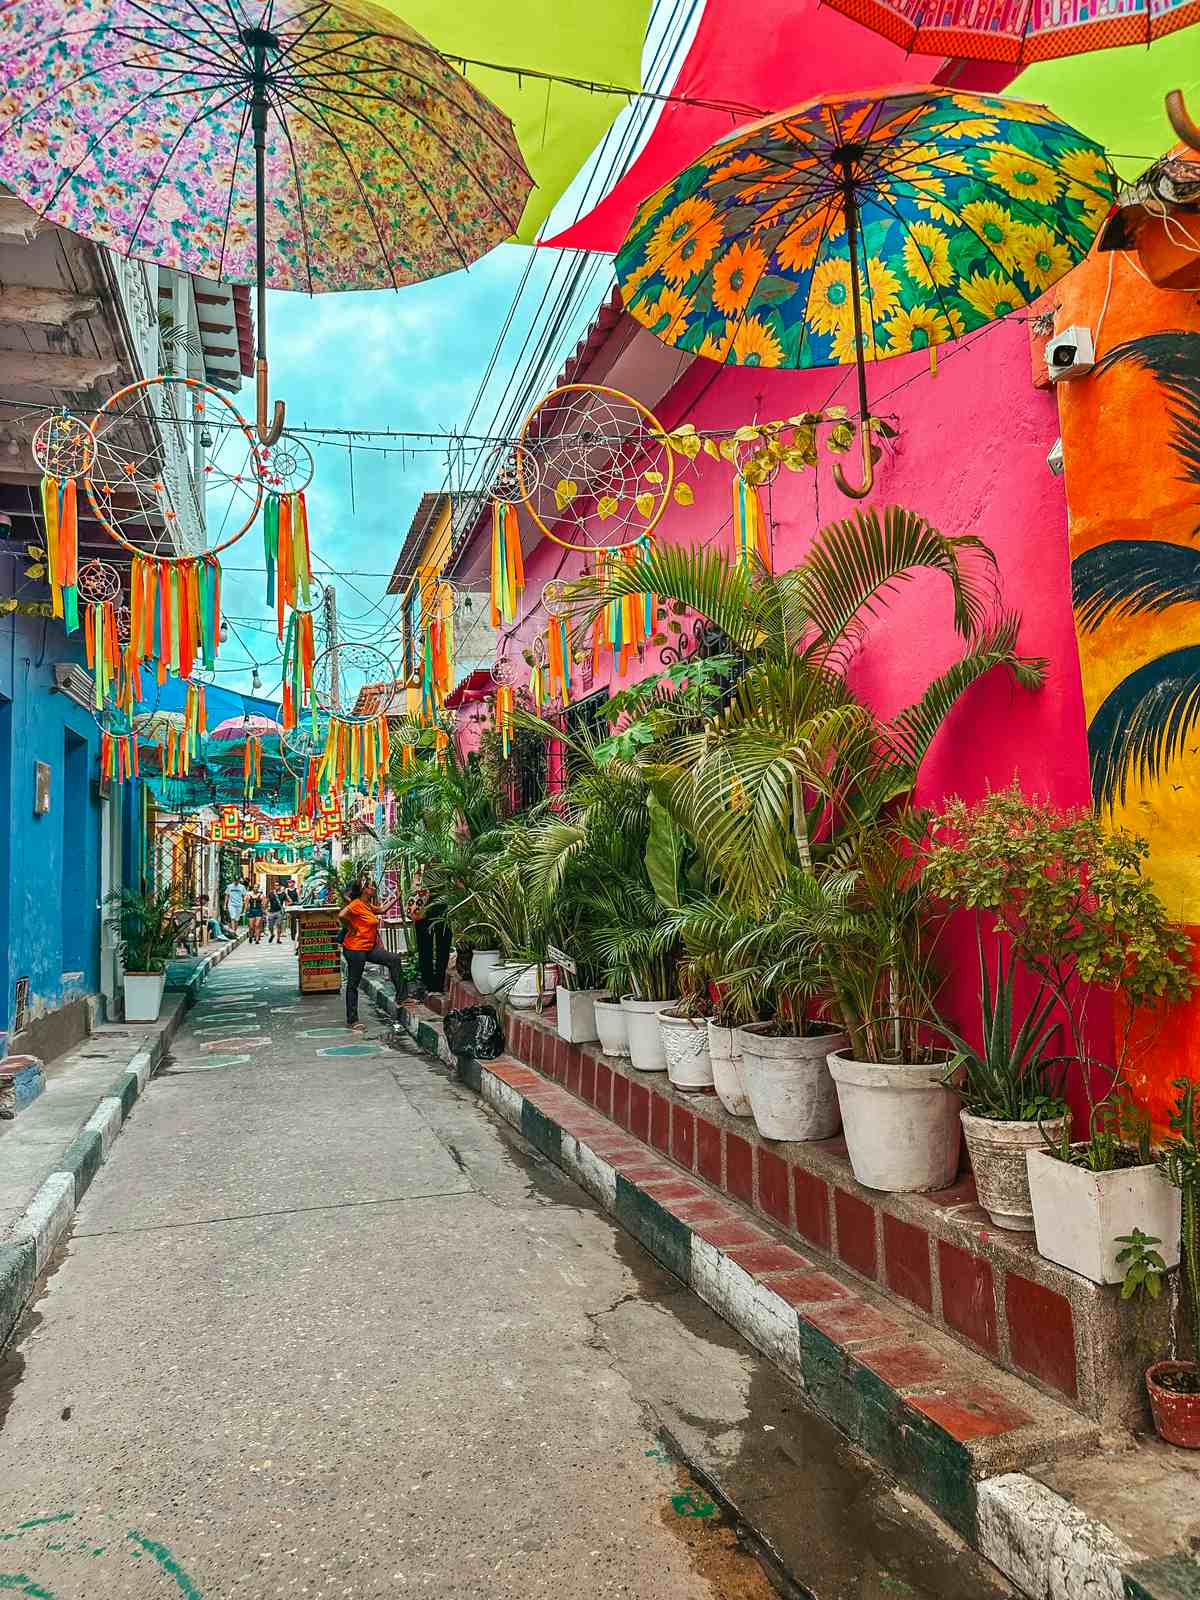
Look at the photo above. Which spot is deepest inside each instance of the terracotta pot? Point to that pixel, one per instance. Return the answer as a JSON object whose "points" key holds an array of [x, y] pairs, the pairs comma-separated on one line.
{"points": [[1176, 1416]]}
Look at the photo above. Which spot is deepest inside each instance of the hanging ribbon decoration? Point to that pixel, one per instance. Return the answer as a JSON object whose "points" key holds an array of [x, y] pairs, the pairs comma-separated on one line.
{"points": [[627, 621], [299, 653], [180, 603], [558, 657], [287, 553], [356, 756], [62, 546], [118, 756], [103, 652], [437, 664], [537, 690], [749, 525], [508, 567], [504, 718], [252, 764]]}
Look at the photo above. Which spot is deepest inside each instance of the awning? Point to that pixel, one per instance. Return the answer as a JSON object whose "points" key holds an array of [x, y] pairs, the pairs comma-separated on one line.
{"points": [[477, 685]]}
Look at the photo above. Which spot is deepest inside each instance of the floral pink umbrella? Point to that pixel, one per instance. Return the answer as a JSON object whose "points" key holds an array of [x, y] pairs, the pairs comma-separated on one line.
{"points": [[280, 142]]}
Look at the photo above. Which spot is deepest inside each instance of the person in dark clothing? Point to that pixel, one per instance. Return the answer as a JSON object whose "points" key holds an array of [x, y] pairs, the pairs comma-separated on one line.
{"points": [[274, 916], [433, 936], [255, 910], [361, 944], [291, 896]]}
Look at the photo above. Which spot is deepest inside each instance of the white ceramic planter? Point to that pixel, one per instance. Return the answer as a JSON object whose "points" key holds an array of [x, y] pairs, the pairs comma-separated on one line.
{"points": [[901, 1124], [612, 1027], [1079, 1215], [645, 1036], [525, 984], [577, 1014], [483, 969], [725, 1053], [143, 995], [788, 1083], [685, 1044], [998, 1152]]}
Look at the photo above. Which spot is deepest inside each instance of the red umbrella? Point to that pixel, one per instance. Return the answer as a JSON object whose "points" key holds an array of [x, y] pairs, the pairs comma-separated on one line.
{"points": [[1018, 32]]}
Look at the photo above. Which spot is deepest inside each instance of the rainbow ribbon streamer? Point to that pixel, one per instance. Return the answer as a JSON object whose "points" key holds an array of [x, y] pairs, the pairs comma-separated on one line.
{"points": [[749, 526], [508, 567], [558, 656]]}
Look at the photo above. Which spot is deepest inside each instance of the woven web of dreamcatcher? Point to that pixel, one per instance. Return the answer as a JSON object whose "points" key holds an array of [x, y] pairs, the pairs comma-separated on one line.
{"points": [[597, 454], [343, 672], [504, 482], [174, 469], [63, 445], [99, 583], [286, 467]]}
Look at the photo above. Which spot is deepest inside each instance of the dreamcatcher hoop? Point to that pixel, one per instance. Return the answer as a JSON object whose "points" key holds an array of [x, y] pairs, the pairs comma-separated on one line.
{"points": [[594, 438], [301, 744], [341, 673], [99, 583], [124, 623], [503, 476], [504, 672], [64, 446], [123, 468], [554, 598], [285, 467]]}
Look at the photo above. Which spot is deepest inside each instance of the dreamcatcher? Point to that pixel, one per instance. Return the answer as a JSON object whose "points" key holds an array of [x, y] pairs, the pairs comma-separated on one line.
{"points": [[558, 641], [64, 447], [175, 523], [347, 681], [98, 586], [508, 488]]}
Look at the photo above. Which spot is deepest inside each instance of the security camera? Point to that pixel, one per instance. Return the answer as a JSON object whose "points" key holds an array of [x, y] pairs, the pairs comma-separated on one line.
{"points": [[1070, 354], [1054, 459]]}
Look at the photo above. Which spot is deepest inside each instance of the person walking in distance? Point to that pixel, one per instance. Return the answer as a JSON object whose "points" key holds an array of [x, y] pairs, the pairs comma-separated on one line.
{"points": [[274, 916], [235, 902], [291, 897], [361, 945], [255, 910]]}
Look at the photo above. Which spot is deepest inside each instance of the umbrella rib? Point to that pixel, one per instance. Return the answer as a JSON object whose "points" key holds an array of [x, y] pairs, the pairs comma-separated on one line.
{"points": [[237, 155], [304, 111], [174, 27], [1065, 238], [354, 116], [208, 110], [287, 134], [880, 199], [462, 99]]}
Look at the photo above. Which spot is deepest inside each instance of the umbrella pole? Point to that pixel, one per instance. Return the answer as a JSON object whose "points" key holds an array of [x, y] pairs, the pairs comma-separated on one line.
{"points": [[862, 490], [259, 41]]}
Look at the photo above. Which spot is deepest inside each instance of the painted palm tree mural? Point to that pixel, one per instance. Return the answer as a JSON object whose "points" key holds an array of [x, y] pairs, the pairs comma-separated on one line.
{"points": [[1149, 720]]}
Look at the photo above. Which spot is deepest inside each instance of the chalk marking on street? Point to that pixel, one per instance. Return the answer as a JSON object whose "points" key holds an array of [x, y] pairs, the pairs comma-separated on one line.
{"points": [[247, 1042], [166, 1562]]}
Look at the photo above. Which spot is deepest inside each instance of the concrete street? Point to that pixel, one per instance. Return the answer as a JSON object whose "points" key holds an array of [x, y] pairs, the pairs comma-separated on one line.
{"points": [[323, 1327]]}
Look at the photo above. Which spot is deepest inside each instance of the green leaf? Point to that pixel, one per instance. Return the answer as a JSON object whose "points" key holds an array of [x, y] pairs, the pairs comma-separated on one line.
{"points": [[664, 854]]}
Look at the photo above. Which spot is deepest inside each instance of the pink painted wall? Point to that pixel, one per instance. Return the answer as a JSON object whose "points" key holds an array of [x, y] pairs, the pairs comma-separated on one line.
{"points": [[971, 457]]}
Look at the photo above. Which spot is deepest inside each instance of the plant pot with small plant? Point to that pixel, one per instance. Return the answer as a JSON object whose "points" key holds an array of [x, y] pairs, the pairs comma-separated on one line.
{"points": [[1068, 894], [1174, 1385], [144, 925], [684, 1029], [1011, 1086]]}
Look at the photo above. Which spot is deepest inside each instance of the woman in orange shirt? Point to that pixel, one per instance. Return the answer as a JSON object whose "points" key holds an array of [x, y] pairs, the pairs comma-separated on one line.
{"points": [[361, 944]]}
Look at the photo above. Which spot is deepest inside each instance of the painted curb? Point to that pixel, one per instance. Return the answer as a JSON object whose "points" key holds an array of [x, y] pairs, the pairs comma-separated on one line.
{"points": [[32, 1237], [1047, 1547]]}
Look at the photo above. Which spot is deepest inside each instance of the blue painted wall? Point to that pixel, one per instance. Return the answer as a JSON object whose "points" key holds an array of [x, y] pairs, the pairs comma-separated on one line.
{"points": [[49, 865]]}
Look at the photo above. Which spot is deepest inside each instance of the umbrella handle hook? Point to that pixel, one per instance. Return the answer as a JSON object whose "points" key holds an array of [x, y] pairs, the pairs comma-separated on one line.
{"points": [[268, 432], [862, 490], [1183, 125]]}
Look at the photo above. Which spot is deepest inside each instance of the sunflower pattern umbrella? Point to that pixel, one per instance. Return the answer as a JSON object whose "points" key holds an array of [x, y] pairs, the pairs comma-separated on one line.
{"points": [[861, 227], [290, 144]]}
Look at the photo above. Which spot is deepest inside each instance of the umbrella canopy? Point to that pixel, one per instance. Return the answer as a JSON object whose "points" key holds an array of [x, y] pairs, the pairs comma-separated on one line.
{"points": [[235, 730], [157, 725], [273, 142], [1019, 31], [863, 226]]}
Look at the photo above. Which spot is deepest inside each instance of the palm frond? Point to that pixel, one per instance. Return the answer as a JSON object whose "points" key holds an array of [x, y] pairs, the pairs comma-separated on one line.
{"points": [[705, 580], [913, 730], [1173, 357], [1126, 577], [855, 563], [1144, 724]]}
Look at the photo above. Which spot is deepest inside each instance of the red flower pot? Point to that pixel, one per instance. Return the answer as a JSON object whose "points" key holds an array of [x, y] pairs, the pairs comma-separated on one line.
{"points": [[1176, 1416]]}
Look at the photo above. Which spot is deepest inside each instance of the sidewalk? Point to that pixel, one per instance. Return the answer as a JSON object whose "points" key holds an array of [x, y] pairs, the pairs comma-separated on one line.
{"points": [[1065, 1511], [51, 1150]]}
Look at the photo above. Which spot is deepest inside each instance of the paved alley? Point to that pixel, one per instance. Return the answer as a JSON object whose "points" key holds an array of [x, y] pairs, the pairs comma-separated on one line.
{"points": [[323, 1327]]}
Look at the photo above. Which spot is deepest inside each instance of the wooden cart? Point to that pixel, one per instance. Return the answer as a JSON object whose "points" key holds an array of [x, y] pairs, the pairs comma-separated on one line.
{"points": [[318, 949]]}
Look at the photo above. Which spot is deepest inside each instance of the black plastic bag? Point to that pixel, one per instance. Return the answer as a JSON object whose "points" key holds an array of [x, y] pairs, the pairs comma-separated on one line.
{"points": [[474, 1031]]}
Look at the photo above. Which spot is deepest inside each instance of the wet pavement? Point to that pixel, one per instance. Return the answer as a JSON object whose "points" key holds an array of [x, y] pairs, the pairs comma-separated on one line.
{"points": [[324, 1327]]}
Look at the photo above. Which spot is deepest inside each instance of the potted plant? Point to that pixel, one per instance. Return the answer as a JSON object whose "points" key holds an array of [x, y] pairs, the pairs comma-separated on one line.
{"points": [[1174, 1385], [684, 1029], [145, 936], [868, 921], [1068, 894], [1011, 1085]]}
